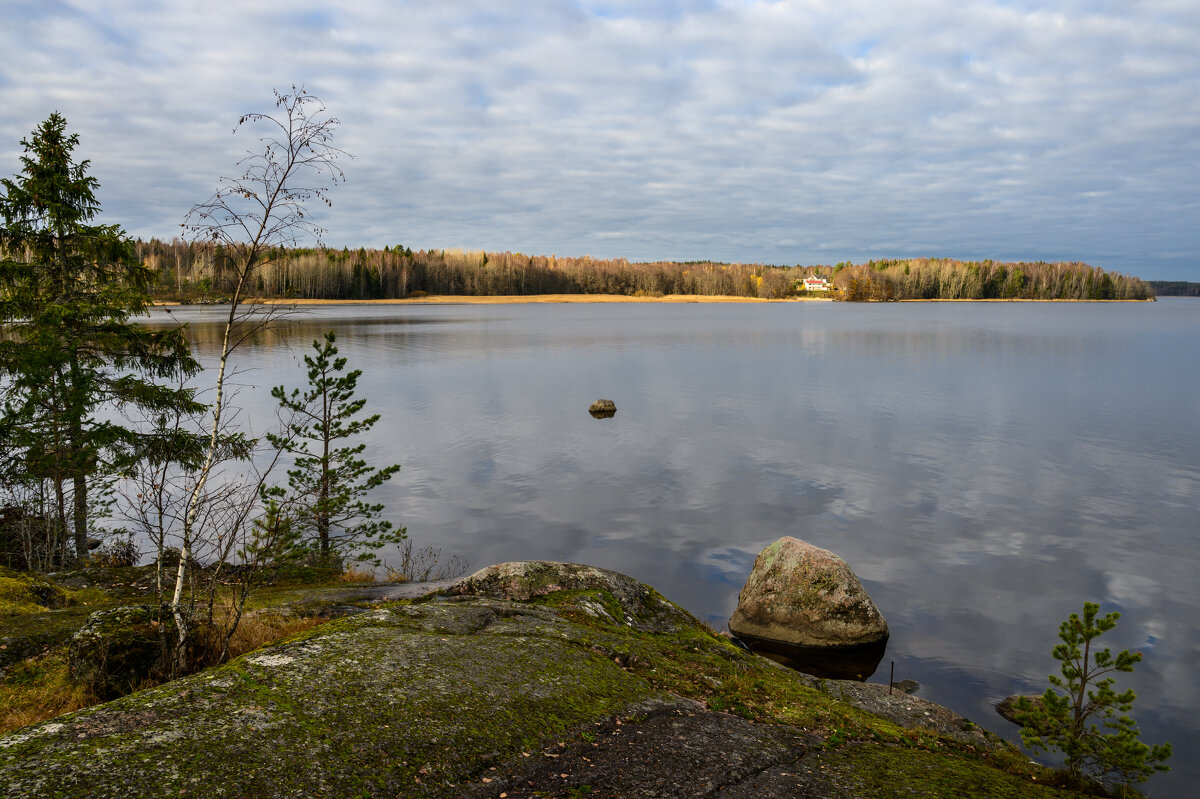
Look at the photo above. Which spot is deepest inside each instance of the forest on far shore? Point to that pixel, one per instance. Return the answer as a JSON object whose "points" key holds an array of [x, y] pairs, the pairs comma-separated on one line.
{"points": [[1174, 288], [199, 273]]}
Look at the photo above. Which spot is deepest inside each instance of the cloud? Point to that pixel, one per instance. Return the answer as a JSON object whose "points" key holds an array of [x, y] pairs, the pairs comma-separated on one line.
{"points": [[784, 132]]}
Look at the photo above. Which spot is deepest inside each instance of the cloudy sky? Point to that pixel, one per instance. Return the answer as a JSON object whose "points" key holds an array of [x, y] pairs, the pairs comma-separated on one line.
{"points": [[812, 131]]}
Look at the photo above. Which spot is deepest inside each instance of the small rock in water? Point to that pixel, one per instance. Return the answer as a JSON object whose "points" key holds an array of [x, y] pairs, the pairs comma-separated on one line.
{"points": [[603, 409], [1007, 707], [907, 686]]}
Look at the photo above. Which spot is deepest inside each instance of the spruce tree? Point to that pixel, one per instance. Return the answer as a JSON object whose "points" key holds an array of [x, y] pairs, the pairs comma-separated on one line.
{"points": [[325, 496], [71, 359]]}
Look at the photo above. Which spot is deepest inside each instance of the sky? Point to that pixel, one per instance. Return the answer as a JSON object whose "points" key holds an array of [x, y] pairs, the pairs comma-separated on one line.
{"points": [[806, 132]]}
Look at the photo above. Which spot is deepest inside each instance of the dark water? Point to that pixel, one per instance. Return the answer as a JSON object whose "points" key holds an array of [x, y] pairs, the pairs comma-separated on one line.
{"points": [[985, 468]]}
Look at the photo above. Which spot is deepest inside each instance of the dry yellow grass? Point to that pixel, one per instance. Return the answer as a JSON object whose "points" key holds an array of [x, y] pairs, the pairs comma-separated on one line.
{"points": [[40, 688], [259, 630], [357, 574]]}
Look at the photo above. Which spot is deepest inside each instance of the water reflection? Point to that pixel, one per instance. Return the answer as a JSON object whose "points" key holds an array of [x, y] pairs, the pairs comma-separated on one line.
{"points": [[845, 663], [984, 468]]}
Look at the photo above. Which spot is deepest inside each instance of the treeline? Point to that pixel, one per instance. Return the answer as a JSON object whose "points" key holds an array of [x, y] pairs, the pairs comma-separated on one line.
{"points": [[948, 279], [1174, 288], [193, 272]]}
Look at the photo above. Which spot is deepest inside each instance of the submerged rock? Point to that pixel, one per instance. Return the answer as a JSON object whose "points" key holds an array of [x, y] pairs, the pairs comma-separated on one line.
{"points": [[1007, 707], [804, 597], [603, 409]]}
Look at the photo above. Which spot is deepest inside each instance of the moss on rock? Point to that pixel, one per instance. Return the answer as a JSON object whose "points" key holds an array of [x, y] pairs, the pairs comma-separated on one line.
{"points": [[570, 691], [118, 648], [22, 593], [408, 699], [635, 603]]}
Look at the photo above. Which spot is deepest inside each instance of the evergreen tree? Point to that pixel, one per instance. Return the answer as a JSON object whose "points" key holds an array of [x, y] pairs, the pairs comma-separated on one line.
{"points": [[326, 489], [1082, 716], [68, 289]]}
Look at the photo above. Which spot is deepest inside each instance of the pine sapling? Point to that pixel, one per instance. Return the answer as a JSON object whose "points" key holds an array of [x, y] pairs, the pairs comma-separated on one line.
{"points": [[1083, 716]]}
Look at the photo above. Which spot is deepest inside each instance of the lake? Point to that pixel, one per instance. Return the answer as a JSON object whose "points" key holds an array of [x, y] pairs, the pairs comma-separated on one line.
{"points": [[985, 468]]}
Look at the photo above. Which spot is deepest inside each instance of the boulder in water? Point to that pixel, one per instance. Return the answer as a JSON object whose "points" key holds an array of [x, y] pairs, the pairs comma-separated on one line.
{"points": [[603, 409], [807, 598]]}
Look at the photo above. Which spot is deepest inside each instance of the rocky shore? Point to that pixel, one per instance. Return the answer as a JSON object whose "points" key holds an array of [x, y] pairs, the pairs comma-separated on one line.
{"points": [[531, 679]]}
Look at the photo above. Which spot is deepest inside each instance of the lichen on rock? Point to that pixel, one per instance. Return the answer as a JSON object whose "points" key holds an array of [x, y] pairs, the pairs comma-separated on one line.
{"points": [[638, 605], [116, 649], [802, 595], [412, 690], [594, 684]]}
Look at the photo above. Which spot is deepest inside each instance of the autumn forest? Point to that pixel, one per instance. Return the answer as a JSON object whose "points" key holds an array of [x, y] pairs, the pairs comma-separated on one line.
{"points": [[191, 272]]}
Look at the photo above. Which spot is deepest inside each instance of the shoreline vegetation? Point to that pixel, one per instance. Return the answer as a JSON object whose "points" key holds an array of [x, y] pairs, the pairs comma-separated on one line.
{"points": [[509, 299], [581, 299], [200, 273], [1174, 288]]}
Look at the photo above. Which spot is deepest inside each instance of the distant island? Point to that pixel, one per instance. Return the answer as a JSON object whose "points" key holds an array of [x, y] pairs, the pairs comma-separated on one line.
{"points": [[198, 273], [1174, 288]]}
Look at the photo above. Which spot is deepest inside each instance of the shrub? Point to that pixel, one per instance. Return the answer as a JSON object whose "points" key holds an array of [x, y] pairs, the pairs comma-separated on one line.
{"points": [[122, 552], [423, 565]]}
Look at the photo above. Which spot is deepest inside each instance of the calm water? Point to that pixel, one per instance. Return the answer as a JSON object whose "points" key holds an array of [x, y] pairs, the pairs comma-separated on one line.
{"points": [[985, 468]]}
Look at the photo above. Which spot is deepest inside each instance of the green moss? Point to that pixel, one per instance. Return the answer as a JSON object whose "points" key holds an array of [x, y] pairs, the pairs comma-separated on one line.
{"points": [[886, 771], [23, 594], [824, 582], [379, 703], [417, 698], [698, 664]]}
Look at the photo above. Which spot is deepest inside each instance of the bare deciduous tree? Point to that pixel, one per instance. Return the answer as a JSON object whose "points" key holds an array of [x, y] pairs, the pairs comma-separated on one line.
{"points": [[248, 218]]}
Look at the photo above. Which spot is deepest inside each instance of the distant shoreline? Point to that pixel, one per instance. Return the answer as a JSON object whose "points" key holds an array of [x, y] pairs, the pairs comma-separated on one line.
{"points": [[546, 299], [519, 299]]}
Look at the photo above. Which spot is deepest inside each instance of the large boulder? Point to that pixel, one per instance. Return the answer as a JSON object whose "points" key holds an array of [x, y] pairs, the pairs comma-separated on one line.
{"points": [[801, 595], [116, 649]]}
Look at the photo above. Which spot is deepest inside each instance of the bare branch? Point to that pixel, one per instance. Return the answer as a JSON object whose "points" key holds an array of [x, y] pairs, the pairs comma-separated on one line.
{"points": [[249, 216]]}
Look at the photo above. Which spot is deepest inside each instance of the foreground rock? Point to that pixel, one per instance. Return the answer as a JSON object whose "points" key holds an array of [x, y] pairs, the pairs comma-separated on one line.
{"points": [[801, 594], [116, 649], [635, 604], [570, 693], [804, 597]]}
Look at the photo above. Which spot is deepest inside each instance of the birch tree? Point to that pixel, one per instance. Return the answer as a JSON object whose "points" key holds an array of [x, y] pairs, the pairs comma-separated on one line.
{"points": [[249, 218]]}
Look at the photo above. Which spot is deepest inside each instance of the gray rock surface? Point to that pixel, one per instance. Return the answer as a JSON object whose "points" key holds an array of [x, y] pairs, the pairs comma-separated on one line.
{"points": [[580, 692], [380, 703], [639, 605]]}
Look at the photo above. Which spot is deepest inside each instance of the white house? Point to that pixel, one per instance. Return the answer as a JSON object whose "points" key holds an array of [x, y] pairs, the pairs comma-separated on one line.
{"points": [[816, 284]]}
